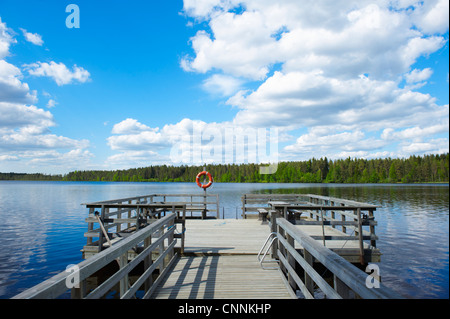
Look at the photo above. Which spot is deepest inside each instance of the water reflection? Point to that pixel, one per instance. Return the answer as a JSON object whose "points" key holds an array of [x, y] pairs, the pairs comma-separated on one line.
{"points": [[43, 225]]}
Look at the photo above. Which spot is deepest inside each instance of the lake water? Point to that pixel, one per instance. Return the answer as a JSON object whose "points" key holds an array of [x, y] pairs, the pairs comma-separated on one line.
{"points": [[42, 226]]}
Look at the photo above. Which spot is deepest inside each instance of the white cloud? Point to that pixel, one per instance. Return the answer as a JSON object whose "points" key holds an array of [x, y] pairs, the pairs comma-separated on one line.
{"points": [[137, 141], [5, 39], [432, 16], [26, 140], [433, 146], [133, 135], [136, 159], [58, 72], [25, 127], [129, 126], [327, 65], [222, 85], [415, 133], [32, 37], [12, 89], [51, 103], [418, 75], [323, 141], [19, 116], [205, 8], [341, 39], [195, 142]]}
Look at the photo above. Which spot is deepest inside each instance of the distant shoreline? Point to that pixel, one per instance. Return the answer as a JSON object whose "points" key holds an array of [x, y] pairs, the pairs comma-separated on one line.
{"points": [[183, 182], [415, 169]]}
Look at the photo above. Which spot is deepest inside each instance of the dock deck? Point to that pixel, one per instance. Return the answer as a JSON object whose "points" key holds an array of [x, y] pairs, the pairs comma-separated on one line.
{"points": [[223, 276], [246, 237], [220, 261]]}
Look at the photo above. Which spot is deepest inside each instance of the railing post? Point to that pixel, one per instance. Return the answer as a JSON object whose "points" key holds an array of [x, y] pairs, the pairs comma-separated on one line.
{"points": [[243, 199], [217, 206], [80, 292], [129, 215], [309, 282], [360, 235], [333, 214], [373, 242], [341, 288], [281, 249], [100, 235], [291, 261], [123, 261], [171, 236], [344, 229], [90, 226], [148, 261], [274, 229]]}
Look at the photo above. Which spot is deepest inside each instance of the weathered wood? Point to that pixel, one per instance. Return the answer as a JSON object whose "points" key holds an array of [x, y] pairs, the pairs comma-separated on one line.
{"points": [[220, 256], [218, 276], [56, 285], [349, 274]]}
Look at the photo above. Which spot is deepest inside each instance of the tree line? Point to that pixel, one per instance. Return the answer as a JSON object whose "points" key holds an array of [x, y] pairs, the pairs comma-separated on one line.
{"points": [[415, 169]]}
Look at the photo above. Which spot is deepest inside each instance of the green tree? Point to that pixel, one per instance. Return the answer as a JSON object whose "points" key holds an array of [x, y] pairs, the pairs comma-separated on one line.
{"points": [[392, 174]]}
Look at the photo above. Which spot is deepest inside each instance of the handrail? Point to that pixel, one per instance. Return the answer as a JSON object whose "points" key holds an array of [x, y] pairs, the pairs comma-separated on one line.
{"points": [[261, 260], [194, 203], [148, 196], [114, 219], [343, 271], [57, 285]]}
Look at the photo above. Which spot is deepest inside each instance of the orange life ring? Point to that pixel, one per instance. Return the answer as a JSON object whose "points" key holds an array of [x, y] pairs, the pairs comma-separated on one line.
{"points": [[197, 179]]}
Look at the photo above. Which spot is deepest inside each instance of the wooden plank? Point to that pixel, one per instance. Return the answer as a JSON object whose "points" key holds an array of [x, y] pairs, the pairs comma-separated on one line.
{"points": [[225, 236], [237, 277]]}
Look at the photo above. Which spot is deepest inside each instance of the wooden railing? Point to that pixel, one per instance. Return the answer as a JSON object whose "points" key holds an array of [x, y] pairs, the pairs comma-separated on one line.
{"points": [[157, 237], [124, 215], [205, 205], [252, 202], [354, 221], [347, 279], [112, 226], [202, 203]]}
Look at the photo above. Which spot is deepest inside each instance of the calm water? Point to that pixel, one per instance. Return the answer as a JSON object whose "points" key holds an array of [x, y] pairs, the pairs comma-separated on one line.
{"points": [[42, 227]]}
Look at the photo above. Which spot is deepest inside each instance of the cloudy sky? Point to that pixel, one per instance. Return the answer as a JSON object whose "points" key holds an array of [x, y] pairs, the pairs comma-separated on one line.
{"points": [[365, 79]]}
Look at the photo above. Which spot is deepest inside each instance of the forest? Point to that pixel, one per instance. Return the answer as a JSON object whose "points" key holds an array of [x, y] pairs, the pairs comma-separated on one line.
{"points": [[415, 169]]}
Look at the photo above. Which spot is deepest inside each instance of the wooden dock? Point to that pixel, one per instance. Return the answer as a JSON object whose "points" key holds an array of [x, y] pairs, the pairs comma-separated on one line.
{"points": [[148, 249], [220, 261]]}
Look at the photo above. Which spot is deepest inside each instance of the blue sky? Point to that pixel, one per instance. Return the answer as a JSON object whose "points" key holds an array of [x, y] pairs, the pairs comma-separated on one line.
{"points": [[362, 79]]}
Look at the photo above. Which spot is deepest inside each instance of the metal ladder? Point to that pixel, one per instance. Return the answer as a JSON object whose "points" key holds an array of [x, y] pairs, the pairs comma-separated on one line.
{"points": [[262, 260]]}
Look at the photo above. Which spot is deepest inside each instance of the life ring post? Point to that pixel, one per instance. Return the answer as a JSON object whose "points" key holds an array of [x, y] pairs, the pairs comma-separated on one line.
{"points": [[204, 185], [207, 174]]}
